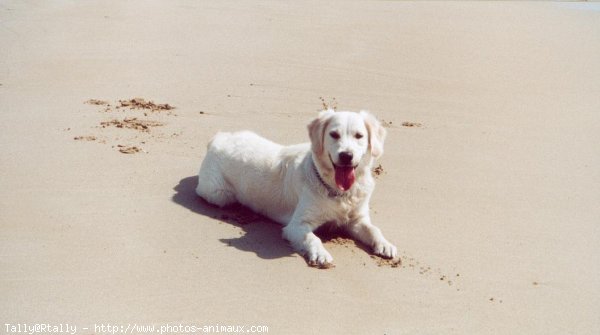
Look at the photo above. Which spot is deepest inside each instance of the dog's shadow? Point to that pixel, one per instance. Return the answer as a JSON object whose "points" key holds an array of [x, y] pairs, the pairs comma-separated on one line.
{"points": [[259, 234]]}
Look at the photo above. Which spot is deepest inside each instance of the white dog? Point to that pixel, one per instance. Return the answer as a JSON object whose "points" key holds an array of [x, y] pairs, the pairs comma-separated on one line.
{"points": [[303, 186]]}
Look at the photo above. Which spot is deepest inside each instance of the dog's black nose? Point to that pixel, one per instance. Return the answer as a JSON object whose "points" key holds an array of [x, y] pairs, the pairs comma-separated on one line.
{"points": [[345, 158]]}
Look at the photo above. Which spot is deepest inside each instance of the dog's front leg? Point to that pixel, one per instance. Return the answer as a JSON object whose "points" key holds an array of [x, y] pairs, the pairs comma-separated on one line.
{"points": [[364, 231], [299, 232]]}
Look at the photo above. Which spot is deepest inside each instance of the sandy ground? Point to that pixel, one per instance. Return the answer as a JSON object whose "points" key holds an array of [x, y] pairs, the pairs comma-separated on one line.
{"points": [[492, 196]]}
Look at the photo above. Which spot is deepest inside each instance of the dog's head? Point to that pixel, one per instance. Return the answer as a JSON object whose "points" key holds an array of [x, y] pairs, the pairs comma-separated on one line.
{"points": [[344, 142]]}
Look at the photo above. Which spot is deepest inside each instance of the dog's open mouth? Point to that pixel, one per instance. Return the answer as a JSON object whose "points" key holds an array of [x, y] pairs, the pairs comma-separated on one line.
{"points": [[344, 175]]}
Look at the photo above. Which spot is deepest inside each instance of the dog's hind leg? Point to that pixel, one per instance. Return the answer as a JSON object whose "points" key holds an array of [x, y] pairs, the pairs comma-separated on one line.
{"points": [[213, 187]]}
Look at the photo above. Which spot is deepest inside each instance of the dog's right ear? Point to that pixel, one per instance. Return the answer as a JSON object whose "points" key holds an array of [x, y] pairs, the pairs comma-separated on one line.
{"points": [[316, 130]]}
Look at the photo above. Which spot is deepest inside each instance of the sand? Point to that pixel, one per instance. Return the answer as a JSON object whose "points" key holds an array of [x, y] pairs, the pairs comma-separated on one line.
{"points": [[489, 184]]}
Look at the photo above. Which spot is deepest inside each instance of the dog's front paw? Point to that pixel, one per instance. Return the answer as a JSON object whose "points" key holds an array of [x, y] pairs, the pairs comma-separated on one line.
{"points": [[385, 249], [319, 257]]}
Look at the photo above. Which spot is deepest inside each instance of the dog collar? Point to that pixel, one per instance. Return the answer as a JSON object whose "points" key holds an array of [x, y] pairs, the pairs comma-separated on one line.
{"points": [[331, 192]]}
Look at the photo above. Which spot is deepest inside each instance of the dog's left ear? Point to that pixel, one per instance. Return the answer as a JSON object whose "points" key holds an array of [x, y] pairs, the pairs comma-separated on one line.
{"points": [[376, 134], [316, 130]]}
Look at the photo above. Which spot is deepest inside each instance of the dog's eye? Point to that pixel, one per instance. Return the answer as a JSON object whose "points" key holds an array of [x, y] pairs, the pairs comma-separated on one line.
{"points": [[358, 136], [334, 135]]}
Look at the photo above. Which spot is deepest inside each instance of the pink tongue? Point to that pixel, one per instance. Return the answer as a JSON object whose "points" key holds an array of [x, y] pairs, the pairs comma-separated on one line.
{"points": [[344, 177]]}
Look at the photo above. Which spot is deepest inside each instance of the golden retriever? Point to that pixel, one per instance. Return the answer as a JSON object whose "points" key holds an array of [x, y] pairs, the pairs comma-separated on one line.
{"points": [[303, 186]]}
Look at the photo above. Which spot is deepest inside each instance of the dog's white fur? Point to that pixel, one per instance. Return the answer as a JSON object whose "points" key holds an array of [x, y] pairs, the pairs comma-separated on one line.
{"points": [[280, 182]]}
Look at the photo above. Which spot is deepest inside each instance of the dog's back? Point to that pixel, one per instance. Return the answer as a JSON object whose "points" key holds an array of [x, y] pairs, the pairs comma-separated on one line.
{"points": [[246, 168]]}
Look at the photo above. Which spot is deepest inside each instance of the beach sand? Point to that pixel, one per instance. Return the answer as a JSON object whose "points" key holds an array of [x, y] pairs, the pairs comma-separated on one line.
{"points": [[489, 184]]}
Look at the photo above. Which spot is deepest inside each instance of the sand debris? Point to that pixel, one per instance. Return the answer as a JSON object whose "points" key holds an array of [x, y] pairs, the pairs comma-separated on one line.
{"points": [[323, 266], [141, 103], [394, 263], [97, 102], [340, 241], [84, 138], [128, 150], [132, 123], [331, 105], [378, 170], [411, 124], [385, 124]]}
